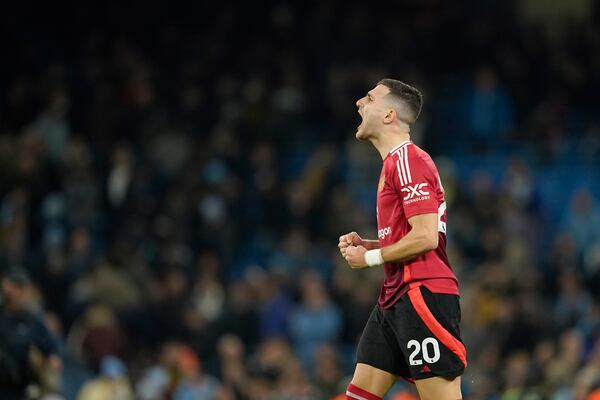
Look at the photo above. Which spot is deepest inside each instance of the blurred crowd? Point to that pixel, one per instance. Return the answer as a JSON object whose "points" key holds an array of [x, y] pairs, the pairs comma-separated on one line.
{"points": [[173, 183]]}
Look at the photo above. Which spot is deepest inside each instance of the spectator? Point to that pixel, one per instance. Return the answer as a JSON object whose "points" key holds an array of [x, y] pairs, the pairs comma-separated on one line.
{"points": [[22, 330], [232, 365], [328, 375], [111, 384], [315, 321], [195, 384], [582, 220], [489, 108], [160, 381]]}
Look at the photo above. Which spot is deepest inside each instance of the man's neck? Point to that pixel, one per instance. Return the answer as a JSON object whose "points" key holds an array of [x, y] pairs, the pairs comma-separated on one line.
{"points": [[386, 144]]}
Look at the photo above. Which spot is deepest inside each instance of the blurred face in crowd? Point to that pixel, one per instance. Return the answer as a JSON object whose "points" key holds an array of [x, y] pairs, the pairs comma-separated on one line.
{"points": [[375, 111], [13, 294]]}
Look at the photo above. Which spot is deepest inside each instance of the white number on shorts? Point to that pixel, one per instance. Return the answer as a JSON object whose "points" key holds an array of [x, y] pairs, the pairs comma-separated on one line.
{"points": [[436, 350], [415, 352], [427, 356]]}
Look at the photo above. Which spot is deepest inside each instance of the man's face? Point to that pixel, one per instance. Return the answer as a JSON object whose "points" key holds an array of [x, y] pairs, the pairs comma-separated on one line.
{"points": [[12, 293], [372, 108]]}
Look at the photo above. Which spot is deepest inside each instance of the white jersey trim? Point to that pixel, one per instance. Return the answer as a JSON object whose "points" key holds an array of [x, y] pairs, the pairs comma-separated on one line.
{"points": [[355, 396], [402, 164], [400, 145], [399, 172]]}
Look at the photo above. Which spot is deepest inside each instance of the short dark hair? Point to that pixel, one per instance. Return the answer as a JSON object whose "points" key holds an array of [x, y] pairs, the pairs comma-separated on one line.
{"points": [[410, 95]]}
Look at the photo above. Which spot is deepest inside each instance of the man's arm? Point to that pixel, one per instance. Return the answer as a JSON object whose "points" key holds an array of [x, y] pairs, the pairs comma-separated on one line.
{"points": [[422, 237], [371, 244]]}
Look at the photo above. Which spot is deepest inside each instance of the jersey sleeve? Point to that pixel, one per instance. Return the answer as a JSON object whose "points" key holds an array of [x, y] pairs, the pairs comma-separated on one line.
{"points": [[417, 182]]}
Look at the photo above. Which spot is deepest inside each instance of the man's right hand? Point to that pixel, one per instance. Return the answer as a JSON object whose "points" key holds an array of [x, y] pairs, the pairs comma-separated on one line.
{"points": [[349, 239]]}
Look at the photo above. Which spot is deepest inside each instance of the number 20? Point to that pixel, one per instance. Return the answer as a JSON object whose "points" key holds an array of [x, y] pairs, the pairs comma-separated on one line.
{"points": [[426, 355]]}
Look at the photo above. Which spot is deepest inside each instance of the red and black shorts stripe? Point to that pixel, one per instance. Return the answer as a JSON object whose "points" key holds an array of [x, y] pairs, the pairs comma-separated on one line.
{"points": [[418, 338]]}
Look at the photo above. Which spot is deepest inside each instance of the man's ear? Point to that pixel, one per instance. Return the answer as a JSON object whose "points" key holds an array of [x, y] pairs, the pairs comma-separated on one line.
{"points": [[390, 116]]}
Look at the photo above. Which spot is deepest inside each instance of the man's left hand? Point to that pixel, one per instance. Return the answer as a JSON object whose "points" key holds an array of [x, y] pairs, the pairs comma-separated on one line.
{"points": [[355, 256]]}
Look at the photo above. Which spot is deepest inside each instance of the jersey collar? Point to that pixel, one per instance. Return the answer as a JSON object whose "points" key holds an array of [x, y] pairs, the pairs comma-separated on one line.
{"points": [[400, 145]]}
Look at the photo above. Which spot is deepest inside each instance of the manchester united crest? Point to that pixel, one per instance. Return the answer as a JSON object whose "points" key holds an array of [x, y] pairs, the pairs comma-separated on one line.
{"points": [[381, 183]]}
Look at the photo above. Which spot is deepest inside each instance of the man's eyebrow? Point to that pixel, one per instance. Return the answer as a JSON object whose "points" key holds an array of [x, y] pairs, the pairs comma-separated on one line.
{"points": [[369, 96]]}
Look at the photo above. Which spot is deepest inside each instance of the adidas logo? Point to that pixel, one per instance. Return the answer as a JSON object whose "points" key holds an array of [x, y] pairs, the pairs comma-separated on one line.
{"points": [[425, 369]]}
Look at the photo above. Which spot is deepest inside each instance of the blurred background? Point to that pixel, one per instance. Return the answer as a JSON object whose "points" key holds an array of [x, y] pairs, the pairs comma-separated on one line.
{"points": [[174, 180]]}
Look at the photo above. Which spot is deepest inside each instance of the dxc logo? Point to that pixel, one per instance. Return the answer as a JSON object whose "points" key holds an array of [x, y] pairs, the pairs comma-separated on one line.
{"points": [[416, 190]]}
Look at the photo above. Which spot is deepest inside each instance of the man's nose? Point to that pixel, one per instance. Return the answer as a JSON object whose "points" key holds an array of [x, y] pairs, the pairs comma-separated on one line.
{"points": [[359, 103]]}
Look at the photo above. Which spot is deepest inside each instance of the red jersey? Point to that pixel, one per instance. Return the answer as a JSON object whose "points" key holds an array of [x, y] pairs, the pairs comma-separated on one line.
{"points": [[410, 185]]}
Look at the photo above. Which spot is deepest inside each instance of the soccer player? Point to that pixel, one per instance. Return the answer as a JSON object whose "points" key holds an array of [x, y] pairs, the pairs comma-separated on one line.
{"points": [[413, 331]]}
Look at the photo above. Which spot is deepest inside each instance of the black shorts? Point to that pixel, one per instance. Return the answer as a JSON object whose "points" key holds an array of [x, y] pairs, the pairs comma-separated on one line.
{"points": [[418, 338]]}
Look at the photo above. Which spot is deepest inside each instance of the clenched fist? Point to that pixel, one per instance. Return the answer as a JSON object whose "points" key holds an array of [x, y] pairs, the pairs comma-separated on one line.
{"points": [[349, 239], [352, 248], [355, 256]]}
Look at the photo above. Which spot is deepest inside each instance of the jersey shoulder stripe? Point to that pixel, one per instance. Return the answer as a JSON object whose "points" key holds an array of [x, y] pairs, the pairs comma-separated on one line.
{"points": [[402, 164]]}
